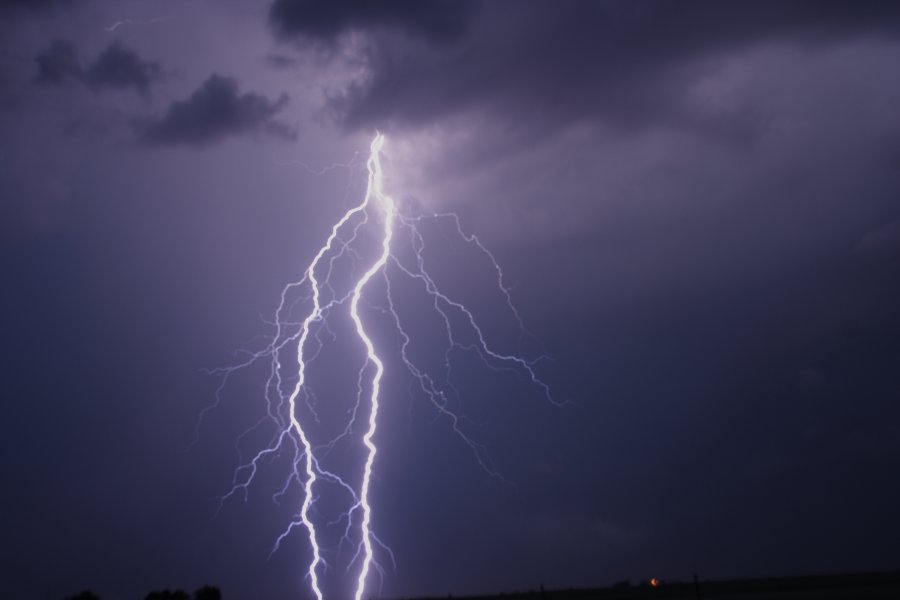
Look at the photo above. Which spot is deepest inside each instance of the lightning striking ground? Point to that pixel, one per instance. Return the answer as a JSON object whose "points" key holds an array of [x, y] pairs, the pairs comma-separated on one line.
{"points": [[291, 403]]}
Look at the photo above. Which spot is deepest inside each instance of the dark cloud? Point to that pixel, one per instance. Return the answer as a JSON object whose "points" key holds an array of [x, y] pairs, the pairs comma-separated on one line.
{"points": [[34, 6], [118, 67], [324, 21], [215, 111], [280, 61], [59, 63], [528, 60]]}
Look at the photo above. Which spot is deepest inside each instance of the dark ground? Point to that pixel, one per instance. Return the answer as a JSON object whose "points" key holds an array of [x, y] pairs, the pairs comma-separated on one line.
{"points": [[863, 586]]}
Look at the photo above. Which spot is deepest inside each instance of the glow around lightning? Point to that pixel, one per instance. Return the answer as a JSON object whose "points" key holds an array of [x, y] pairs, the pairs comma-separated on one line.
{"points": [[297, 341]]}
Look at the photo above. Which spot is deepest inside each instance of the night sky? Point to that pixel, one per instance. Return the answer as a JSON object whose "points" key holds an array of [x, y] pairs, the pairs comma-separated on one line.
{"points": [[696, 206]]}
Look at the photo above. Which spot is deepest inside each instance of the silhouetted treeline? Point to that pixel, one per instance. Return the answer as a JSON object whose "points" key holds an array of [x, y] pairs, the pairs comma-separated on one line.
{"points": [[854, 586], [207, 592], [85, 595]]}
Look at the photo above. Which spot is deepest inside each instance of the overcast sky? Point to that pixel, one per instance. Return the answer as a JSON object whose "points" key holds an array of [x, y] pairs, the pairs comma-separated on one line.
{"points": [[696, 206]]}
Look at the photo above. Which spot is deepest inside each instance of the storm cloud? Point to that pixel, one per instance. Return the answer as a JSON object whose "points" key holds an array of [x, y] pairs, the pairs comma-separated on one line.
{"points": [[117, 67], [59, 63], [34, 6], [323, 21], [215, 111], [628, 63]]}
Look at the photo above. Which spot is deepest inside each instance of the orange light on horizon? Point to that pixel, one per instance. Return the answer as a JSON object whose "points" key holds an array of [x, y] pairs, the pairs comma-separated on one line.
{"points": [[654, 582]]}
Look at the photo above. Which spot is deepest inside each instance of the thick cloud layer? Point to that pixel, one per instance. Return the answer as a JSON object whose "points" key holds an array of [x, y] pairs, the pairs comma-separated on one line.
{"points": [[527, 61]]}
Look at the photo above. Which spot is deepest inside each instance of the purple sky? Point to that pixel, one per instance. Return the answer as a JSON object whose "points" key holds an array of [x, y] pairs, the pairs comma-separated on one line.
{"points": [[696, 204]]}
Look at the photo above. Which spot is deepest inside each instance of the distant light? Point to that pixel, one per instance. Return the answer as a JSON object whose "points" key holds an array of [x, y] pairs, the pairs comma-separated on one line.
{"points": [[654, 582]]}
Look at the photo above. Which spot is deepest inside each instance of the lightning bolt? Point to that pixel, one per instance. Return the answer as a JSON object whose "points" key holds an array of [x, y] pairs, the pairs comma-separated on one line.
{"points": [[376, 190], [136, 22], [291, 409]]}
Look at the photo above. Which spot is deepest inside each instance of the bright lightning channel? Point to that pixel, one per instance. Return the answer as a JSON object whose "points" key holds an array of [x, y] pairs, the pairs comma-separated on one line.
{"points": [[283, 408], [376, 189]]}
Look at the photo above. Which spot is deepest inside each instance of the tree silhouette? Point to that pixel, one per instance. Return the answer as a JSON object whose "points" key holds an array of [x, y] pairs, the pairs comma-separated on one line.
{"points": [[85, 595], [168, 595], [208, 592]]}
